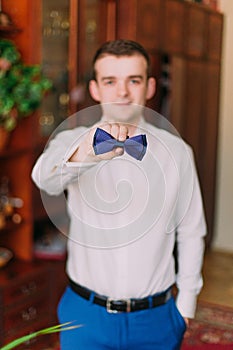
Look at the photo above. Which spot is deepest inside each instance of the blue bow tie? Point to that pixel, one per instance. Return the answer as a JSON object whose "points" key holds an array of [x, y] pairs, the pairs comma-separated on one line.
{"points": [[135, 146]]}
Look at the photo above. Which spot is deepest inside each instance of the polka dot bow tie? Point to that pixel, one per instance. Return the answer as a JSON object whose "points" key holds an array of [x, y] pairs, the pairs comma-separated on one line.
{"points": [[135, 146]]}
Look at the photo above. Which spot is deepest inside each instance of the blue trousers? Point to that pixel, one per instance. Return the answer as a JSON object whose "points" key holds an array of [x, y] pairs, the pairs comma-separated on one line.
{"points": [[159, 328]]}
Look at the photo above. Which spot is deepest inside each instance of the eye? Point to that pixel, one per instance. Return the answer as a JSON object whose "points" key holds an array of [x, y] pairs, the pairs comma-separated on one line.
{"points": [[108, 82], [135, 81]]}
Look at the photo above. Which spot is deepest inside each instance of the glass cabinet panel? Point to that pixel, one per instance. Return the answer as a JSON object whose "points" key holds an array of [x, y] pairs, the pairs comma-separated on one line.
{"points": [[55, 51]]}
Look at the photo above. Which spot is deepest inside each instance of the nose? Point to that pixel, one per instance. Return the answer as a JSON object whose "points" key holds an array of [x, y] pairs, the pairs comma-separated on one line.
{"points": [[122, 89]]}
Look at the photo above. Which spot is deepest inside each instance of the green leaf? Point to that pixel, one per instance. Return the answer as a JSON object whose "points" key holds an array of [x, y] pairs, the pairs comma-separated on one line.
{"points": [[49, 330], [9, 51]]}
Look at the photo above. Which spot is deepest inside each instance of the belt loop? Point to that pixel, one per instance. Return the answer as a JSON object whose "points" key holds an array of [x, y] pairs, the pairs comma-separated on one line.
{"points": [[92, 296], [150, 299]]}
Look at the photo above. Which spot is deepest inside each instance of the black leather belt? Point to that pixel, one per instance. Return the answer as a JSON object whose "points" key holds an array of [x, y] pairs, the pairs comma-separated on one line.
{"points": [[125, 305]]}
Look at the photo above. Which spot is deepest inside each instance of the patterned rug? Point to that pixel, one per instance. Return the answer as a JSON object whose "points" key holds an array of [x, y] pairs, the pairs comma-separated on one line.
{"points": [[211, 329]]}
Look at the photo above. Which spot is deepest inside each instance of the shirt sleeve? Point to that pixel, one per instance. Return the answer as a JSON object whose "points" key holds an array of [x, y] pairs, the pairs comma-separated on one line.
{"points": [[52, 171], [190, 242]]}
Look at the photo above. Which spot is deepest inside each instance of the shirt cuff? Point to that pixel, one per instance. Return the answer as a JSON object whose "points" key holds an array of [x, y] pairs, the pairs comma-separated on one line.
{"points": [[75, 167], [186, 303], [78, 167]]}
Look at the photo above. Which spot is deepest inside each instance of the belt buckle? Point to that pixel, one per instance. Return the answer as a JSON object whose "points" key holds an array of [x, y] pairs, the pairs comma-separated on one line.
{"points": [[108, 306]]}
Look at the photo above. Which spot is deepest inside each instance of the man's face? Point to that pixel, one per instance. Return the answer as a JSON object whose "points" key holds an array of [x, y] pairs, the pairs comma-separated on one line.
{"points": [[122, 87]]}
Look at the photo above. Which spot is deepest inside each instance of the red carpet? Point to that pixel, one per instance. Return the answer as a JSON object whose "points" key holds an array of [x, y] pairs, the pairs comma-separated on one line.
{"points": [[211, 329]]}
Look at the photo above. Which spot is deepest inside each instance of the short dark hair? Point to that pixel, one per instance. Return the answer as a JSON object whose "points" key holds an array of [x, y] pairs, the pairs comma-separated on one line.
{"points": [[118, 48]]}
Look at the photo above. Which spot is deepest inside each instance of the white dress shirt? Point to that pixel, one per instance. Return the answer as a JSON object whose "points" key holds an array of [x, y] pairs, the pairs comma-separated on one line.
{"points": [[125, 216]]}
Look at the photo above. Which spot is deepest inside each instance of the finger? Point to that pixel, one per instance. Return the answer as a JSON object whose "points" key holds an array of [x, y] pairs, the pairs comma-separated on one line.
{"points": [[115, 128], [106, 127], [119, 151], [186, 321], [123, 133]]}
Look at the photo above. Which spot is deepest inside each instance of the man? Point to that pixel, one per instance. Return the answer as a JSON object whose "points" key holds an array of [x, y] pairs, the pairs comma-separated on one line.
{"points": [[126, 215]]}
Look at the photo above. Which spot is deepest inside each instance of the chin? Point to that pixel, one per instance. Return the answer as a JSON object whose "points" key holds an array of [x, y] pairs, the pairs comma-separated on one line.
{"points": [[123, 113]]}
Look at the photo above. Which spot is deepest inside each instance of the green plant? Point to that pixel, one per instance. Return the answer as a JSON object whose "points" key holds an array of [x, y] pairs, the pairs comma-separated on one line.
{"points": [[22, 86], [50, 330]]}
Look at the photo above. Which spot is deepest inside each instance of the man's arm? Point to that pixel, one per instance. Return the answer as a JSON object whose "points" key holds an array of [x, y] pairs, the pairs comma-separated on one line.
{"points": [[50, 172], [69, 154], [190, 244]]}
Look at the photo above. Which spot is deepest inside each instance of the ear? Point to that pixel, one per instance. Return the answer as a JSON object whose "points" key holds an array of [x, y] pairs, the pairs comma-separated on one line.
{"points": [[151, 88], [94, 90]]}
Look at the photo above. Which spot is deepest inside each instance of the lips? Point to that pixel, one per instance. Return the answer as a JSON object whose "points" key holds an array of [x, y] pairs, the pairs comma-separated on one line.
{"points": [[123, 103]]}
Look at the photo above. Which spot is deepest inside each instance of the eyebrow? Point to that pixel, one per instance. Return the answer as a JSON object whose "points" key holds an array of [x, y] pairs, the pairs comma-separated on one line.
{"points": [[129, 77]]}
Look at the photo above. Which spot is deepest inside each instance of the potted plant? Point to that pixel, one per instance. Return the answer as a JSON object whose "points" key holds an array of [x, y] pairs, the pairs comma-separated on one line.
{"points": [[22, 86]]}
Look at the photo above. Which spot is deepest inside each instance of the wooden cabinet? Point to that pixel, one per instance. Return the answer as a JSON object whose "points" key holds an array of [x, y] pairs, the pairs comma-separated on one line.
{"points": [[209, 139], [92, 23], [29, 292], [16, 164], [28, 300], [185, 37], [16, 160], [42, 39], [25, 301], [193, 105], [96, 25], [200, 126], [178, 72], [141, 23], [173, 27], [196, 31], [148, 30], [214, 43]]}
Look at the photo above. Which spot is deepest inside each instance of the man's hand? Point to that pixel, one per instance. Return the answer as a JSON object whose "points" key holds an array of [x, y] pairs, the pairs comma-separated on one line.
{"points": [[85, 151], [186, 321]]}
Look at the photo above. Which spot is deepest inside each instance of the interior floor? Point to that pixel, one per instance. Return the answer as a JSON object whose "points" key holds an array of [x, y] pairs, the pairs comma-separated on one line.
{"points": [[218, 278]]}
